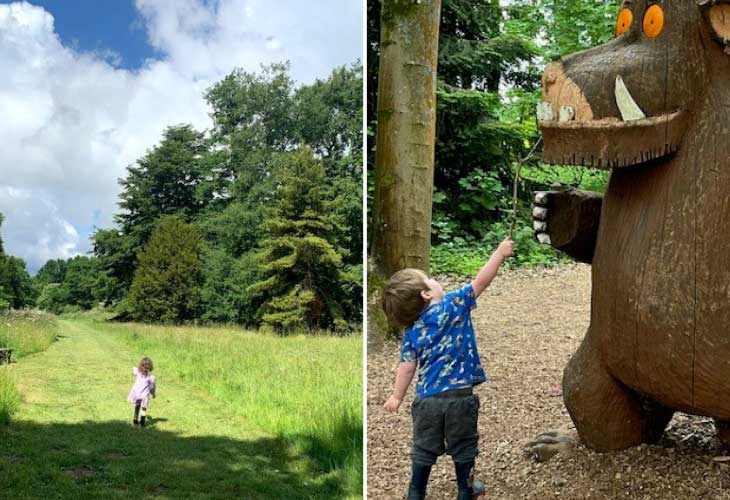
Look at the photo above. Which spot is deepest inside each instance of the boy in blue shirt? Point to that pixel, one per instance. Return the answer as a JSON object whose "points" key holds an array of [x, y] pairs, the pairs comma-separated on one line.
{"points": [[439, 341]]}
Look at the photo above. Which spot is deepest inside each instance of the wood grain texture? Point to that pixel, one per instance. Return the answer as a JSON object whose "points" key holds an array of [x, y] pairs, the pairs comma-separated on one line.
{"points": [[660, 318], [572, 221]]}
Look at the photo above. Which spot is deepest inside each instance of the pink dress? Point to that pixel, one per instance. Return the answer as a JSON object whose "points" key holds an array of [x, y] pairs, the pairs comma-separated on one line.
{"points": [[144, 386]]}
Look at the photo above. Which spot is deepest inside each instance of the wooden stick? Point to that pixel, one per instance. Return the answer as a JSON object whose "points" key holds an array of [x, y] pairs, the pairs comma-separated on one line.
{"points": [[514, 186]]}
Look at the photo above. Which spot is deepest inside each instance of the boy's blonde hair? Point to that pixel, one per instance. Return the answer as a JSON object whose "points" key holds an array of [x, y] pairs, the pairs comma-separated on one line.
{"points": [[402, 301]]}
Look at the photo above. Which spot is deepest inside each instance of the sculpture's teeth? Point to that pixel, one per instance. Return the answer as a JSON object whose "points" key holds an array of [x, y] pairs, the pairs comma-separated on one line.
{"points": [[566, 114], [626, 105], [539, 213], [543, 238], [544, 111]]}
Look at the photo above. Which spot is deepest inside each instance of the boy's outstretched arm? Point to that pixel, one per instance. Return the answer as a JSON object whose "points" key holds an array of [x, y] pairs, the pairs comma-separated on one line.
{"points": [[402, 380], [489, 271]]}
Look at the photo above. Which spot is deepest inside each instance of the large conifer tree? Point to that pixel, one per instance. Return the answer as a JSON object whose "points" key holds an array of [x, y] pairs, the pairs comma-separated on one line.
{"points": [[303, 285], [166, 285]]}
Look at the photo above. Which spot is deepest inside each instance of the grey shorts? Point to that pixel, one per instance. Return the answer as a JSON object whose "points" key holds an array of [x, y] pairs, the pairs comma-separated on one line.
{"points": [[445, 423]]}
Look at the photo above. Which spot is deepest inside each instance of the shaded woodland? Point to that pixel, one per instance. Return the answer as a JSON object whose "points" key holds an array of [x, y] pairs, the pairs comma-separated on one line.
{"points": [[490, 58]]}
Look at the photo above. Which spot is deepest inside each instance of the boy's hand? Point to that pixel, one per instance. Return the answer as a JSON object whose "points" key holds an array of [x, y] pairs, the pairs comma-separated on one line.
{"points": [[506, 248], [392, 405]]}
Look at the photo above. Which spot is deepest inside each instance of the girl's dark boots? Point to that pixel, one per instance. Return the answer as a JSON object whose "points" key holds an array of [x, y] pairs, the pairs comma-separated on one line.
{"points": [[142, 421], [135, 421], [469, 488], [419, 481]]}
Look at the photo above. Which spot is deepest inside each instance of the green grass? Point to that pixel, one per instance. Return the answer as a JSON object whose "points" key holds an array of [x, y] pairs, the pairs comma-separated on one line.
{"points": [[306, 389], [27, 332], [238, 415], [9, 397]]}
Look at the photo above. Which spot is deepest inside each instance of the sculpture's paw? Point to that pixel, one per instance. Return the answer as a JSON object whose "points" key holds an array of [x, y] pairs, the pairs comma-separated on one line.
{"points": [[540, 216], [548, 444]]}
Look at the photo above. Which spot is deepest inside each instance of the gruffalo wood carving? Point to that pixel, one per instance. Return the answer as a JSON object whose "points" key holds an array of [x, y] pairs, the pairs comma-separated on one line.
{"points": [[653, 105]]}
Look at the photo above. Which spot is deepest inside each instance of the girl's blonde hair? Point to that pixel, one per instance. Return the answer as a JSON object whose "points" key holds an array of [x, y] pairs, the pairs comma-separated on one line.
{"points": [[145, 365]]}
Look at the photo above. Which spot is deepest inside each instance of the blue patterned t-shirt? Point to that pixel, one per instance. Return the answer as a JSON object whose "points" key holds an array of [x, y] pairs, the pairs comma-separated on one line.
{"points": [[442, 341]]}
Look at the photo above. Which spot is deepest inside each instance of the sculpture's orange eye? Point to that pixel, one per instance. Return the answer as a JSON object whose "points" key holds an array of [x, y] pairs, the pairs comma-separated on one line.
{"points": [[623, 23], [653, 21]]}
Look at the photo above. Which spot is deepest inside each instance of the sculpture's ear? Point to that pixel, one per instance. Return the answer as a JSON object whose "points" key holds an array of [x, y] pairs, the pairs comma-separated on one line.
{"points": [[717, 14]]}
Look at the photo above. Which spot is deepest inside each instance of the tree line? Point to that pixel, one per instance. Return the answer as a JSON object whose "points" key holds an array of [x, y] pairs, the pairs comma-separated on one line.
{"points": [[15, 284], [257, 221]]}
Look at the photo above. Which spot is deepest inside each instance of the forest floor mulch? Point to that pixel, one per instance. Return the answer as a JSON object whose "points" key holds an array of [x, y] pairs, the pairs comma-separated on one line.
{"points": [[528, 323]]}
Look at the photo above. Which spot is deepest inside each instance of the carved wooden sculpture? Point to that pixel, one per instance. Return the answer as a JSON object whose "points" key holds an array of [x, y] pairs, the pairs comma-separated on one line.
{"points": [[654, 106]]}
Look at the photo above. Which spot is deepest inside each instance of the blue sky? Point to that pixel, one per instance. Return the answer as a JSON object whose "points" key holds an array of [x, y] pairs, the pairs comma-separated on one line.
{"points": [[89, 86], [105, 27]]}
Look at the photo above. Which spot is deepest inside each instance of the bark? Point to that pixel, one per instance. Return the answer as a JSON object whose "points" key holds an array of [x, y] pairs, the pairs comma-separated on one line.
{"points": [[406, 113]]}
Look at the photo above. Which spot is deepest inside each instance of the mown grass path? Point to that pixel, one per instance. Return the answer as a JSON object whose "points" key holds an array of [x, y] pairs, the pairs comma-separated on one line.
{"points": [[73, 438]]}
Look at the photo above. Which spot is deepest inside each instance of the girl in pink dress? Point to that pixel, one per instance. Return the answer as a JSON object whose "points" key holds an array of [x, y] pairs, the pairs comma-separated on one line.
{"points": [[144, 387]]}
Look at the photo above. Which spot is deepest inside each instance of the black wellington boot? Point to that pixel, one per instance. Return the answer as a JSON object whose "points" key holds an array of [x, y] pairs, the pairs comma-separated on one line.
{"points": [[469, 488], [419, 481]]}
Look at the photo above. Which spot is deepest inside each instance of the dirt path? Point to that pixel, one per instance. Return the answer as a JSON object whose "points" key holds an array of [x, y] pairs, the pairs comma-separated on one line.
{"points": [[528, 324], [73, 438]]}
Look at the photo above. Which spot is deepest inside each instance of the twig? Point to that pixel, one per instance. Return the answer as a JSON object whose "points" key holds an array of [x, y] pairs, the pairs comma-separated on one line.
{"points": [[514, 186]]}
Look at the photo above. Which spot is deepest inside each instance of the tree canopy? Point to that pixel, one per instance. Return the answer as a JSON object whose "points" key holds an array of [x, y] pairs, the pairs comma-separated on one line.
{"points": [[16, 289], [166, 284], [228, 225]]}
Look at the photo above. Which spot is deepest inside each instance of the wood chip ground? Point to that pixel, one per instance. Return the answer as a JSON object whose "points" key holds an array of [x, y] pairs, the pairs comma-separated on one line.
{"points": [[528, 323]]}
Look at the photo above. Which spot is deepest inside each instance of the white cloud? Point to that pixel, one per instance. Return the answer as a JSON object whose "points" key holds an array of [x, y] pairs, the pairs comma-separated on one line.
{"points": [[314, 36], [38, 228], [72, 122]]}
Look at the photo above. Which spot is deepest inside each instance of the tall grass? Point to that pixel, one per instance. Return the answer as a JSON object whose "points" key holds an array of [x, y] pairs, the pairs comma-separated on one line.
{"points": [[25, 332], [306, 389], [9, 396]]}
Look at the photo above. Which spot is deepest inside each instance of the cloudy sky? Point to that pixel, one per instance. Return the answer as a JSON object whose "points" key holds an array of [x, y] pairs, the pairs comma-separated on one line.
{"points": [[88, 86]]}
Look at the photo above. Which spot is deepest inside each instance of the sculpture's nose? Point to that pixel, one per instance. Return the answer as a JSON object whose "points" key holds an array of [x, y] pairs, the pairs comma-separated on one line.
{"points": [[561, 92]]}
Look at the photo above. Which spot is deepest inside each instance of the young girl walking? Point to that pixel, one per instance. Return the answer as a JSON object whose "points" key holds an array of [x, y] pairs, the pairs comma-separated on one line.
{"points": [[144, 387]]}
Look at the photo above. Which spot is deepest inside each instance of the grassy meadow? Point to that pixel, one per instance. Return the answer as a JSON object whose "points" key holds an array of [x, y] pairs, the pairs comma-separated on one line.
{"points": [[9, 396], [238, 414], [306, 389], [26, 332]]}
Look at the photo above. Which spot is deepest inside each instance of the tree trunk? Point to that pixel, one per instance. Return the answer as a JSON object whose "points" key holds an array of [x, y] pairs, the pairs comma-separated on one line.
{"points": [[405, 135]]}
